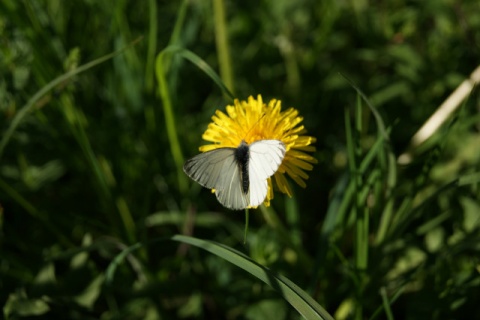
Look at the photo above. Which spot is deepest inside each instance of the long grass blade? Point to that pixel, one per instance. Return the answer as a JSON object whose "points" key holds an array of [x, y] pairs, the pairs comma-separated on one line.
{"points": [[199, 63], [300, 300], [386, 303], [152, 45], [221, 39]]}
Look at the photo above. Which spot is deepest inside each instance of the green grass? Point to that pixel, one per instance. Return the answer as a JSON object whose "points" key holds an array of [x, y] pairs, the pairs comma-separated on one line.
{"points": [[101, 102]]}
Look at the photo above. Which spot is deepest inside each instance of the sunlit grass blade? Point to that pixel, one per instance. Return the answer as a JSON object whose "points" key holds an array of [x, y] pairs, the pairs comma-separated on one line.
{"points": [[300, 300], [199, 62], [152, 45], [361, 244], [392, 168], [152, 38], [344, 190], [386, 303], [28, 107], [462, 93], [221, 39], [376, 114], [170, 124], [339, 203], [385, 220], [110, 273]]}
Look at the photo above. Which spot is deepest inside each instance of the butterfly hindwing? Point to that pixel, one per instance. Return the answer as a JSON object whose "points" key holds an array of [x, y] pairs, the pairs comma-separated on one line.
{"points": [[257, 191], [231, 194], [229, 187], [266, 157]]}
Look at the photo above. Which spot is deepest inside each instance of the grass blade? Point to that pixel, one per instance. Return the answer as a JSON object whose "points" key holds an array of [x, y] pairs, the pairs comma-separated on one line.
{"points": [[386, 303], [300, 300], [221, 39], [200, 63]]}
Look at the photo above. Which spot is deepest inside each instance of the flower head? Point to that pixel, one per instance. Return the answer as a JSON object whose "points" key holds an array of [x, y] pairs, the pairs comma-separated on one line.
{"points": [[253, 120]]}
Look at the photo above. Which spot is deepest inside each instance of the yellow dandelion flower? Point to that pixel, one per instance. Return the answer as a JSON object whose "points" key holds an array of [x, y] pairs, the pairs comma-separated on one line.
{"points": [[253, 120]]}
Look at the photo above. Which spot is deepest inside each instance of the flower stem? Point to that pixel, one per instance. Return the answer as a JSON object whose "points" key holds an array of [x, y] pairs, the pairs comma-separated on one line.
{"points": [[246, 225]]}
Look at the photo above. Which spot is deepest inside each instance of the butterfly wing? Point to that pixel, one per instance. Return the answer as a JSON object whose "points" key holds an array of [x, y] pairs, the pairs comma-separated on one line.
{"points": [[266, 156], [218, 169], [207, 168], [231, 194]]}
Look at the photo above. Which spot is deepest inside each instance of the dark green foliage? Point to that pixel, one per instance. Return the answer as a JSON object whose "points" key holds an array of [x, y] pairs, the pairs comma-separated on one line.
{"points": [[88, 170]]}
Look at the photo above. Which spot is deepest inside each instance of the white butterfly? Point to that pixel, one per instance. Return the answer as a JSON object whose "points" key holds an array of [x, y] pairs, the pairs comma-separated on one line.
{"points": [[238, 175]]}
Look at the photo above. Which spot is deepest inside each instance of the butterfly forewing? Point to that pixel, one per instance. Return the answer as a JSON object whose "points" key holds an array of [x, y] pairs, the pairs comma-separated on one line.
{"points": [[206, 168], [266, 156]]}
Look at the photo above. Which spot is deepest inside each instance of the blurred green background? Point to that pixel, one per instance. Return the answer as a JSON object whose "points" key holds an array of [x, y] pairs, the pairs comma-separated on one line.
{"points": [[89, 171]]}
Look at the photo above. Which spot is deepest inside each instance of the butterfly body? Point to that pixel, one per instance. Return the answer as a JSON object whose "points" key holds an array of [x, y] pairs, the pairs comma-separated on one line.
{"points": [[238, 175], [242, 154]]}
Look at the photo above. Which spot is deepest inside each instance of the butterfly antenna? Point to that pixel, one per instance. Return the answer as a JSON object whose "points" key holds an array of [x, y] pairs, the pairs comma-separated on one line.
{"points": [[253, 126]]}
